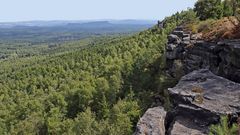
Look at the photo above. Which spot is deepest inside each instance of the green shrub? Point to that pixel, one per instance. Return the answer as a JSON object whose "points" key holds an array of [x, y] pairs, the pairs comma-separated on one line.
{"points": [[227, 8], [223, 128], [238, 14], [209, 9], [206, 25]]}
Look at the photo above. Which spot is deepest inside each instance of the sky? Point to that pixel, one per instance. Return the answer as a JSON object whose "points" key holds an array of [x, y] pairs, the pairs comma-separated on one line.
{"points": [[29, 10]]}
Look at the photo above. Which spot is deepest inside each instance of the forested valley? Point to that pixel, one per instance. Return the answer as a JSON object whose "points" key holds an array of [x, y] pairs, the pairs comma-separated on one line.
{"points": [[92, 85], [101, 88]]}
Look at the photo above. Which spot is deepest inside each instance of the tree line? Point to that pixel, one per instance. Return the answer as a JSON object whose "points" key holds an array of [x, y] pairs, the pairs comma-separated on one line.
{"points": [[99, 90], [216, 9]]}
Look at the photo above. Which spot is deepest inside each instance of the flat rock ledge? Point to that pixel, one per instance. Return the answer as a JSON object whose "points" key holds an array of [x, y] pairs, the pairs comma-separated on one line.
{"points": [[205, 91], [199, 99]]}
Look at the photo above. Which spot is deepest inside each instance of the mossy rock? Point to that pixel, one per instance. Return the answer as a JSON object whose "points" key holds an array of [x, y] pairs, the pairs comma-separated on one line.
{"points": [[199, 99]]}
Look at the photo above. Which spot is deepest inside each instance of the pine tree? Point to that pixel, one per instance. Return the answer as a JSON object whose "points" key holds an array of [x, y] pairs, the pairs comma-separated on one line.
{"points": [[223, 128], [227, 8], [206, 9]]}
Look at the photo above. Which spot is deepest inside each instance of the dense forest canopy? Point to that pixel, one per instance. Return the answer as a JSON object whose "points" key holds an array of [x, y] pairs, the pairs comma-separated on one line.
{"points": [[65, 92], [40, 38], [100, 89], [93, 86], [216, 9]]}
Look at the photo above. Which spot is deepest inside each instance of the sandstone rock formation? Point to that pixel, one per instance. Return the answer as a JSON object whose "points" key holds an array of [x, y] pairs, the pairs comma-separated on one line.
{"points": [[208, 87], [199, 99], [186, 126], [221, 57], [207, 92], [152, 122]]}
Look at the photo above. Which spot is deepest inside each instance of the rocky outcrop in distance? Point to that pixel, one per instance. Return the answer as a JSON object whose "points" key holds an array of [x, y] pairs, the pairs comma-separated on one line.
{"points": [[208, 87]]}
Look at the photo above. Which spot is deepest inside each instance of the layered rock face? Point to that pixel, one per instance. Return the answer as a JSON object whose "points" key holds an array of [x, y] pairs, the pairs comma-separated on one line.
{"points": [[208, 87], [212, 94], [200, 98], [185, 54]]}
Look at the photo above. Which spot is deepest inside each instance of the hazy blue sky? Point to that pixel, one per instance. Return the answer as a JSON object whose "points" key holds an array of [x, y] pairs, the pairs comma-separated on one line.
{"points": [[22, 10]]}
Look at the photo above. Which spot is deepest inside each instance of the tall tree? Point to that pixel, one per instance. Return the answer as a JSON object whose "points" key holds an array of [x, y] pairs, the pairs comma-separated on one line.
{"points": [[235, 5], [227, 8], [206, 9]]}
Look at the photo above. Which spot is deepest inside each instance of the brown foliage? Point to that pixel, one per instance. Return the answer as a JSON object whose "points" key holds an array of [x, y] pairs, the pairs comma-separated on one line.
{"points": [[226, 28]]}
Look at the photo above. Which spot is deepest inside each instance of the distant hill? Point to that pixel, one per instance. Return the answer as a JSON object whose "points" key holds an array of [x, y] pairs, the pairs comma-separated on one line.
{"points": [[64, 23], [92, 24], [58, 31], [139, 22]]}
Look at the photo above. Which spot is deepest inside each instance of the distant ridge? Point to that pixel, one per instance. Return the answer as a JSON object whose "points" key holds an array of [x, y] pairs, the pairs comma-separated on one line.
{"points": [[92, 24], [85, 22]]}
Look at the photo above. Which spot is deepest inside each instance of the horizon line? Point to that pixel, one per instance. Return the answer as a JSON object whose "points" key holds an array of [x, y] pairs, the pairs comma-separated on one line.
{"points": [[66, 20]]}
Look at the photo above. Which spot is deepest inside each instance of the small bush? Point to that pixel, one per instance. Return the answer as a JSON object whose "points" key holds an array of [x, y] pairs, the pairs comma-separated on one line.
{"points": [[205, 26], [194, 28], [238, 14], [223, 128]]}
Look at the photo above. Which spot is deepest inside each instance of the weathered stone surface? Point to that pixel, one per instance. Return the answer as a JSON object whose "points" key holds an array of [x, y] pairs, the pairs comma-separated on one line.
{"points": [[186, 43], [178, 33], [221, 58], [171, 47], [152, 122], [171, 55], [186, 39], [200, 98], [228, 57], [176, 70], [174, 39], [196, 36], [204, 90], [187, 35], [208, 88], [187, 126]]}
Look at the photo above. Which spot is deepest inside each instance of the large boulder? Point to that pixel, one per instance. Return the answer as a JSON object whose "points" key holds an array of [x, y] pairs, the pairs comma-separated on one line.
{"points": [[173, 39], [200, 98], [152, 122], [207, 92]]}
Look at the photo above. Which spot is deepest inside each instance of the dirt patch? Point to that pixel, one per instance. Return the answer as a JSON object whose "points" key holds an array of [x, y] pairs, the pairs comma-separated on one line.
{"points": [[226, 28], [211, 30]]}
